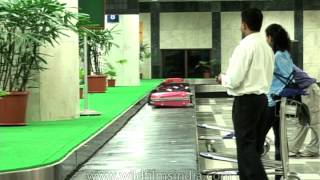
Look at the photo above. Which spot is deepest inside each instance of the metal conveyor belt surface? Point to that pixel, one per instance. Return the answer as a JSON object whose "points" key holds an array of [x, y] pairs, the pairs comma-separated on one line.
{"points": [[157, 143]]}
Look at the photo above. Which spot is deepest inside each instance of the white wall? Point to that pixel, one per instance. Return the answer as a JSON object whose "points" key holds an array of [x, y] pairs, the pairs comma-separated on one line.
{"points": [[57, 97], [284, 18], [178, 31], [145, 66], [185, 30], [311, 45], [231, 34], [128, 41]]}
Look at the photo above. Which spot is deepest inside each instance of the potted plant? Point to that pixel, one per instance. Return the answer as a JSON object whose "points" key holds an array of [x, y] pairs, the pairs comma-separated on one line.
{"points": [[99, 44], [111, 74], [81, 79], [204, 68], [25, 26], [144, 54]]}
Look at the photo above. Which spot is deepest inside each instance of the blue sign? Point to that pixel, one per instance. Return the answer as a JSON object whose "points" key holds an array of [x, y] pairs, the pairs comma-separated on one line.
{"points": [[112, 18]]}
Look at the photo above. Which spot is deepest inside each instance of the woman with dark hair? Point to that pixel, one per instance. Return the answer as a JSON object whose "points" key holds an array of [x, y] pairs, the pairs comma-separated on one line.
{"points": [[278, 39]]}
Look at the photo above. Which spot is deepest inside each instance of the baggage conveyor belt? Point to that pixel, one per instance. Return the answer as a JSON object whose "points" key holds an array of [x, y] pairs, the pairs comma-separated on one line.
{"points": [[156, 144]]}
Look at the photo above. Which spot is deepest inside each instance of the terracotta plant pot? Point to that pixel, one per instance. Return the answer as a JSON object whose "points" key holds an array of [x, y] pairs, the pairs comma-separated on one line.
{"points": [[81, 93], [97, 84], [206, 75], [111, 82], [13, 109]]}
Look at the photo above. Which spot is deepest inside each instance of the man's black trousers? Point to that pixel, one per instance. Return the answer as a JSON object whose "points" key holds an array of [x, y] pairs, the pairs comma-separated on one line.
{"points": [[249, 120]]}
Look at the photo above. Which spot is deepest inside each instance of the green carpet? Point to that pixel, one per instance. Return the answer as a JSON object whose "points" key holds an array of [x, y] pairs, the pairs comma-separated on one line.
{"points": [[43, 143]]}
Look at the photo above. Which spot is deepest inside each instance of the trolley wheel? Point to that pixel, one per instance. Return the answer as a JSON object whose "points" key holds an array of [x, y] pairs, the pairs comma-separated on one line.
{"points": [[213, 149], [216, 177], [293, 176], [210, 148], [266, 148]]}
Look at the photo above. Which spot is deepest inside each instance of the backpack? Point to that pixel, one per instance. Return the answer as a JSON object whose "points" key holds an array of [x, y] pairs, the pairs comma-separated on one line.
{"points": [[291, 88]]}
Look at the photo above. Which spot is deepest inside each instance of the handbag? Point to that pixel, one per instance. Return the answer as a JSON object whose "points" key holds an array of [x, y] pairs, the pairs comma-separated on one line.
{"points": [[291, 88]]}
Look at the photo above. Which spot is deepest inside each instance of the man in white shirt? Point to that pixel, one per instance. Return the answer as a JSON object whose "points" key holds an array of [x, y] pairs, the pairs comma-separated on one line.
{"points": [[248, 79]]}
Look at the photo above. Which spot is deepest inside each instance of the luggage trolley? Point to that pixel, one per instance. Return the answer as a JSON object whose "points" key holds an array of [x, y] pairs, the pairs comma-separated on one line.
{"points": [[288, 109], [230, 135]]}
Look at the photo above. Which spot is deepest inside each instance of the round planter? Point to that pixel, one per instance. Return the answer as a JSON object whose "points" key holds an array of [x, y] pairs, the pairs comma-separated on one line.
{"points": [[97, 84], [111, 82], [13, 109]]}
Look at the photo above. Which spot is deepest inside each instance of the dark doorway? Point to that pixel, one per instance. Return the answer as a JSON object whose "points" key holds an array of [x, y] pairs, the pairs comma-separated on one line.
{"points": [[173, 63], [198, 63], [189, 63]]}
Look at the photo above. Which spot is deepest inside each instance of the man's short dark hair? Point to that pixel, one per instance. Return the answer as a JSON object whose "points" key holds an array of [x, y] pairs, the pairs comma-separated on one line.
{"points": [[253, 18]]}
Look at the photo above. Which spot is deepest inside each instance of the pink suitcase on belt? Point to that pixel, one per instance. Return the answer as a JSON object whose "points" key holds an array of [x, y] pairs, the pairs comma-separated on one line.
{"points": [[171, 99], [173, 80]]}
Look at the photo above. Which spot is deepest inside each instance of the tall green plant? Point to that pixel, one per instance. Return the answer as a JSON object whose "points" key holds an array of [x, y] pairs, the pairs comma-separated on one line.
{"points": [[100, 43], [144, 52], [25, 26]]}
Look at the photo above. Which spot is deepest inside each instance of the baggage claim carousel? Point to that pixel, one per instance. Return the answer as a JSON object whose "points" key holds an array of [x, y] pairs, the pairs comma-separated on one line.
{"points": [[153, 144]]}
